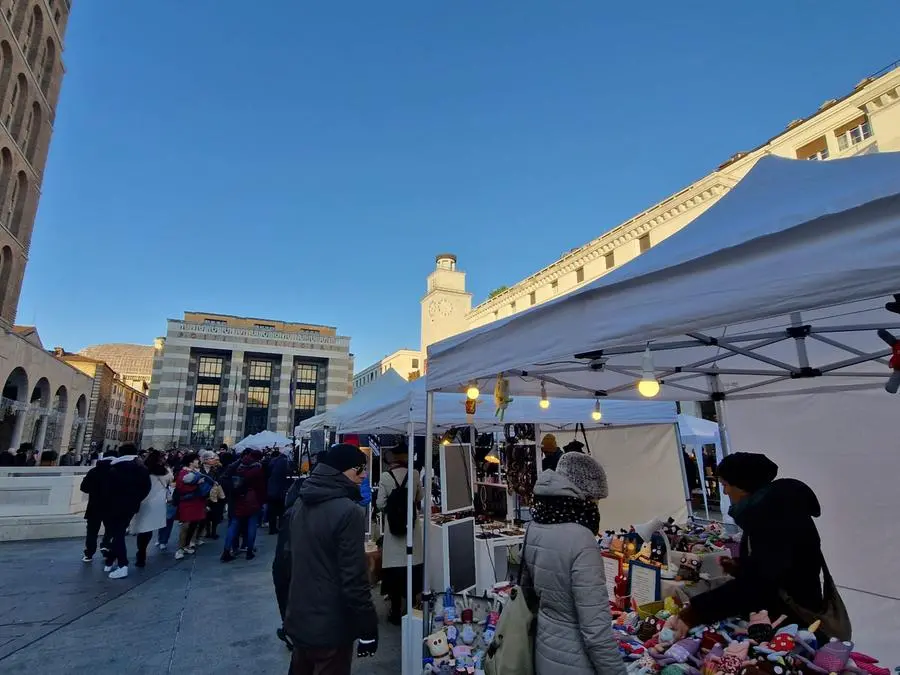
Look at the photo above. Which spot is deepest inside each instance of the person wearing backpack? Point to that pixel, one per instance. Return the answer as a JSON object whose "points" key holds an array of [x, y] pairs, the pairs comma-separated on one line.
{"points": [[247, 495], [392, 501]]}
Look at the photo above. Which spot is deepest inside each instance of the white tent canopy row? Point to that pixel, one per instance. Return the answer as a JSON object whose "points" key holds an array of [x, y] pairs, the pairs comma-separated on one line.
{"points": [[769, 304], [778, 289], [264, 439], [383, 388], [391, 411]]}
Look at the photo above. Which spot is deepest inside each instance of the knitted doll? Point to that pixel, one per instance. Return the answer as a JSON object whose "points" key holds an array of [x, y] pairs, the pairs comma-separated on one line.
{"points": [[689, 569], [733, 658]]}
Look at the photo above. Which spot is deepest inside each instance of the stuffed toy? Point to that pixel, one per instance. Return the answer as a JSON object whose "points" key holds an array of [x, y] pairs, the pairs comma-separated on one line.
{"points": [[832, 657], [710, 637], [501, 396], [711, 660], [781, 644], [866, 664], [439, 648], [893, 383], [689, 570], [645, 665], [659, 549], [606, 539], [807, 640], [733, 658], [468, 630], [679, 669], [683, 651], [761, 629], [648, 628]]}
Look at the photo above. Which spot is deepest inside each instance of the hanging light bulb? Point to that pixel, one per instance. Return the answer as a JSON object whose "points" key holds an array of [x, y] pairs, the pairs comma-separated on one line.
{"points": [[545, 402], [493, 457], [648, 385], [597, 415], [472, 392]]}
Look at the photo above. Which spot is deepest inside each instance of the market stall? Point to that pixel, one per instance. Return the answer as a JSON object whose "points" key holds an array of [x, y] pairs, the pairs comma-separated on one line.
{"points": [[769, 304]]}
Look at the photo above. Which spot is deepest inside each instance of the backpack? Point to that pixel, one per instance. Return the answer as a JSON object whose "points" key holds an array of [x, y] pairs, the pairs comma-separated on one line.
{"points": [[395, 507], [511, 651]]}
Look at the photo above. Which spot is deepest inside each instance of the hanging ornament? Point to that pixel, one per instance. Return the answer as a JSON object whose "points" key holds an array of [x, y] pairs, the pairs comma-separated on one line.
{"points": [[501, 396]]}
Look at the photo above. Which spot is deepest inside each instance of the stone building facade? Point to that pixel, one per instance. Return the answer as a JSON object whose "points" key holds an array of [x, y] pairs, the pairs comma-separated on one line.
{"points": [[407, 362], [218, 378], [31, 72]]}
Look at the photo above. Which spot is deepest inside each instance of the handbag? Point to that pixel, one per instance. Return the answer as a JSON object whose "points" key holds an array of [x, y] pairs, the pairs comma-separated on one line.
{"points": [[835, 621], [511, 652]]}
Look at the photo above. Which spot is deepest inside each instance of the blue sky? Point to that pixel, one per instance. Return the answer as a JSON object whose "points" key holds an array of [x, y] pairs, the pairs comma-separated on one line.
{"points": [[306, 162]]}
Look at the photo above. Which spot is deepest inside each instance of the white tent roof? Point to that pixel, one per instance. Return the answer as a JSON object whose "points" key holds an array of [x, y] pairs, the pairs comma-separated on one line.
{"points": [[367, 396], [696, 431], [264, 439], [814, 245], [391, 414]]}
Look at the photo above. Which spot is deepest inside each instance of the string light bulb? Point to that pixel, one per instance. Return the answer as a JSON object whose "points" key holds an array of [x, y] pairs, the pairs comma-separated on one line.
{"points": [[648, 385], [472, 392], [545, 402], [597, 414], [493, 457]]}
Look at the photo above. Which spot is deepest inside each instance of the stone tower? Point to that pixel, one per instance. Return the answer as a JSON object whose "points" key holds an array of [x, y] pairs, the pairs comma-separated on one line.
{"points": [[31, 72], [446, 303]]}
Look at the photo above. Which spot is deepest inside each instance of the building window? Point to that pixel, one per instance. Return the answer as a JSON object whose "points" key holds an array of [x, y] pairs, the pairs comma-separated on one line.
{"points": [[579, 275], [554, 286], [306, 391], [610, 259], [854, 135], [415, 364], [203, 429], [644, 242], [308, 373], [532, 298], [257, 397], [215, 322], [210, 366], [820, 155], [263, 326], [207, 395], [261, 371]]}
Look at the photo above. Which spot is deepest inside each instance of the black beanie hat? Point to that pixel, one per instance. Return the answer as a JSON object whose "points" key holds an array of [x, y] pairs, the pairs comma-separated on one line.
{"points": [[343, 457], [748, 471]]}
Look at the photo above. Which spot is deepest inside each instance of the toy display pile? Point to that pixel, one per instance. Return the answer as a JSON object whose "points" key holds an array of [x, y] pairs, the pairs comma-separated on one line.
{"points": [[461, 630], [755, 647]]}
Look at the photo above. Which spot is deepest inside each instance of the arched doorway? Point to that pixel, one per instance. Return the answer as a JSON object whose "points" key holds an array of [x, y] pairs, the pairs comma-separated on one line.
{"points": [[55, 421], [38, 409], [13, 407], [79, 426]]}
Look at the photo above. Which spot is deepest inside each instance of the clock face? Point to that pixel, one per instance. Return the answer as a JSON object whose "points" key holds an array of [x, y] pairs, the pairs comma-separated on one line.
{"points": [[441, 307]]}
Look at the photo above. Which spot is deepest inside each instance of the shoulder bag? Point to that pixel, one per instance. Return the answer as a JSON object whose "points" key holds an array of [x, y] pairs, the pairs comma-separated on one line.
{"points": [[835, 621], [511, 652]]}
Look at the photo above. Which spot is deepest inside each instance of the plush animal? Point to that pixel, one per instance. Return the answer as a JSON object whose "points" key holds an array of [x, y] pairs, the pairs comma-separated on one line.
{"points": [[710, 637], [438, 647], [832, 657], [689, 569], [501, 396], [467, 635], [867, 664], [781, 644], [648, 628], [733, 658], [659, 549], [645, 665], [761, 629], [807, 640], [712, 659], [683, 651]]}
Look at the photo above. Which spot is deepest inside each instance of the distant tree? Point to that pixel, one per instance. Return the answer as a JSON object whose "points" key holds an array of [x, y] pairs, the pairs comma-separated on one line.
{"points": [[497, 291]]}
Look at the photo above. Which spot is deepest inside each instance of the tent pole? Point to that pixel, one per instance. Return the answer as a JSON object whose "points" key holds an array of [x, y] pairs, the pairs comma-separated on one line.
{"points": [[410, 524], [684, 479], [715, 388], [426, 511]]}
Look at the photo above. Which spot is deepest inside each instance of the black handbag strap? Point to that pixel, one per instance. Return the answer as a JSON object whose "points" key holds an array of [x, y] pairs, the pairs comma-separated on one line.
{"points": [[522, 561]]}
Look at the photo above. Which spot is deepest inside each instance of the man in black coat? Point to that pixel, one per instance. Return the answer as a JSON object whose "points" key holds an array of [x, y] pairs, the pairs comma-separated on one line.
{"points": [[95, 485], [330, 603], [129, 483], [780, 551]]}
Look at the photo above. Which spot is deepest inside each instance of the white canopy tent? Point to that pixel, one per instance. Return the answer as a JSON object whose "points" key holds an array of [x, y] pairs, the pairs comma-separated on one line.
{"points": [[264, 439], [776, 291], [392, 411]]}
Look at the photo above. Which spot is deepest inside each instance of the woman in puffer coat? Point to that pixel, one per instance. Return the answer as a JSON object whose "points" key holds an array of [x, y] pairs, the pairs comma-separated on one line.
{"points": [[563, 561]]}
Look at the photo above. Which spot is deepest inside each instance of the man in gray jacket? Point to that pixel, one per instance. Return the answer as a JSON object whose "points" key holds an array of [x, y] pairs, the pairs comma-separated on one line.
{"points": [[329, 602]]}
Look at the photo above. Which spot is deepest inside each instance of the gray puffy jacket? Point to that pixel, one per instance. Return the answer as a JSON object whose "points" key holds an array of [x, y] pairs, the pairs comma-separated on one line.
{"points": [[574, 625]]}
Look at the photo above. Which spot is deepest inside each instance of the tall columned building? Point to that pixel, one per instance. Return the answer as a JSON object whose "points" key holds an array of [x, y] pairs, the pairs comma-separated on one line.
{"points": [[218, 378], [44, 400]]}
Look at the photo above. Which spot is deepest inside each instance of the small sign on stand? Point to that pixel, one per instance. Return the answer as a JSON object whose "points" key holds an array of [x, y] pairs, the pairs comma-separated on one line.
{"points": [[644, 582], [612, 567]]}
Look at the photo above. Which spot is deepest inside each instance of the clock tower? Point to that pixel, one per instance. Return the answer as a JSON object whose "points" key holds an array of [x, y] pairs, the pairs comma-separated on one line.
{"points": [[446, 303]]}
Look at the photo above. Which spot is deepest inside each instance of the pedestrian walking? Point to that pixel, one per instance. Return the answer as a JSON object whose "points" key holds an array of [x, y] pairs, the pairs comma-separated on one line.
{"points": [[129, 484], [152, 514], [245, 501], [192, 488], [215, 507], [279, 481], [95, 485], [330, 603]]}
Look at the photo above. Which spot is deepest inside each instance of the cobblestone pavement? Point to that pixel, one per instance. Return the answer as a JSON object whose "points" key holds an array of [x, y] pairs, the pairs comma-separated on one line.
{"points": [[59, 615]]}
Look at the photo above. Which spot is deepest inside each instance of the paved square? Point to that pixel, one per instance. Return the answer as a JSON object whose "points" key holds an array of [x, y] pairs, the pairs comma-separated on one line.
{"points": [[59, 615]]}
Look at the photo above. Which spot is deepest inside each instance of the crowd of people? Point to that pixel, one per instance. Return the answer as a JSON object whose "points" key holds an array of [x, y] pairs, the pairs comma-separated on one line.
{"points": [[144, 493]]}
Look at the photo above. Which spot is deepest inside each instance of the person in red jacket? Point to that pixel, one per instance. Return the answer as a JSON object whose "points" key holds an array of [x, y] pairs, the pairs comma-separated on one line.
{"points": [[246, 495], [191, 490]]}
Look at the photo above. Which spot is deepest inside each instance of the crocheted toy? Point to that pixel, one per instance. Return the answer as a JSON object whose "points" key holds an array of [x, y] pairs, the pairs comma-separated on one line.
{"points": [[712, 659], [710, 637], [467, 635], [648, 628], [760, 628], [832, 657], [659, 549], [781, 644], [689, 569], [733, 658], [683, 651], [438, 647], [867, 664], [645, 665], [501, 396], [893, 383]]}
